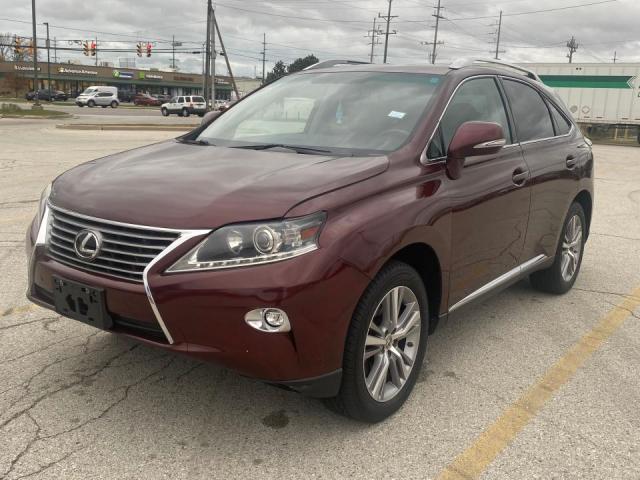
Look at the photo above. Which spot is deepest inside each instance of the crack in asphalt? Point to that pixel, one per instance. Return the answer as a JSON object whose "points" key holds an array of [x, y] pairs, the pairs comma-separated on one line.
{"points": [[604, 292], [15, 325], [615, 236]]}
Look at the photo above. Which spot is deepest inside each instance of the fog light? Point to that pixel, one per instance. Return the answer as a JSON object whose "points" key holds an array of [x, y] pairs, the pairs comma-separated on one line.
{"points": [[268, 320], [273, 317]]}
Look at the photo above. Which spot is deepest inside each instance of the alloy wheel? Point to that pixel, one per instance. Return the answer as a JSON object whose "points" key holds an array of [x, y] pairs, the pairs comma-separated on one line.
{"points": [[392, 343], [571, 248]]}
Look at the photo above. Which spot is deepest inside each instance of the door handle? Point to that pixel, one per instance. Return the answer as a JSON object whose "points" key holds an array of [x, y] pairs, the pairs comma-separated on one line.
{"points": [[520, 176], [571, 161]]}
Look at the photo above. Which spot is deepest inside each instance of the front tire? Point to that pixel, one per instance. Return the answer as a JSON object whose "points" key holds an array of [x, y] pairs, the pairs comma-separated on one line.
{"points": [[165, 112], [560, 277], [385, 346], [91, 103]]}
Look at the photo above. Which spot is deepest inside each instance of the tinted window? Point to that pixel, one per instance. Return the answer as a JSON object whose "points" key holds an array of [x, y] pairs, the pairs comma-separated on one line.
{"points": [[476, 100], [198, 99], [532, 118], [180, 99], [563, 126]]}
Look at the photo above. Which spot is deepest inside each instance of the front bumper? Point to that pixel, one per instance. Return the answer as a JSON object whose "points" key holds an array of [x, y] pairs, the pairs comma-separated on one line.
{"points": [[204, 312]]}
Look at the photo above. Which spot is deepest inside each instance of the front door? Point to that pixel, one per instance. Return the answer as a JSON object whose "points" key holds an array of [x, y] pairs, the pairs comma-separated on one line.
{"points": [[490, 201]]}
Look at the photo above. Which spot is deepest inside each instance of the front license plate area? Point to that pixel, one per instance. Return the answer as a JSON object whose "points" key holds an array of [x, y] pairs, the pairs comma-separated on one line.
{"points": [[81, 302]]}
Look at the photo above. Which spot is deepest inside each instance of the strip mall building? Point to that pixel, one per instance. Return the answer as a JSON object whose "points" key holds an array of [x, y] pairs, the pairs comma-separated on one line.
{"points": [[16, 78]]}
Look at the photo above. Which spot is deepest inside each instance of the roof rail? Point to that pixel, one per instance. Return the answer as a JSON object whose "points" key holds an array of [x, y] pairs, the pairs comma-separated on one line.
{"points": [[334, 63], [467, 62]]}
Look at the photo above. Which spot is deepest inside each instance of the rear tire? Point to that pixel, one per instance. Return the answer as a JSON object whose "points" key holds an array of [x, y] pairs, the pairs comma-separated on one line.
{"points": [[560, 277], [114, 104], [374, 346]]}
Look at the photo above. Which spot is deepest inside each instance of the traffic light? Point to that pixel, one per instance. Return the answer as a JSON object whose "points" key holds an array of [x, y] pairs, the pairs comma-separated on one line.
{"points": [[139, 49], [17, 46], [85, 48], [94, 48], [148, 49]]}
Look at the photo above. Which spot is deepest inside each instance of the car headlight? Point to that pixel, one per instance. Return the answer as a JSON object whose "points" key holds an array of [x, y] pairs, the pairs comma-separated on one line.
{"points": [[44, 197], [253, 244]]}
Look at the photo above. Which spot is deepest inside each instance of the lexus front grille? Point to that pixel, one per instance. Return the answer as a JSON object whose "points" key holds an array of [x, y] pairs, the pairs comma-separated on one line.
{"points": [[125, 250]]}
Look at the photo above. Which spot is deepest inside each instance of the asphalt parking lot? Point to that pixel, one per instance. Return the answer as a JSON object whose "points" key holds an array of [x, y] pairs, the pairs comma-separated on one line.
{"points": [[524, 385]]}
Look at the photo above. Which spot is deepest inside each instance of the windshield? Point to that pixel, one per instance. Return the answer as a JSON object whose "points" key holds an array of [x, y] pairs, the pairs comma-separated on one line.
{"points": [[89, 91], [353, 111]]}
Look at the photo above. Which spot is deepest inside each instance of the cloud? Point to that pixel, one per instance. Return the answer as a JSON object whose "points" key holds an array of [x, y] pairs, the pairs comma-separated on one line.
{"points": [[336, 29]]}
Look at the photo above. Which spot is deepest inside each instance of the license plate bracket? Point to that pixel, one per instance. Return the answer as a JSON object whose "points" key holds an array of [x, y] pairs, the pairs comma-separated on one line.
{"points": [[81, 302]]}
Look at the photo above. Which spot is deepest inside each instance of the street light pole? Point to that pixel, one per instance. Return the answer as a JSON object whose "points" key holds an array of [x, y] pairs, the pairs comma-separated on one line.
{"points": [[48, 61], [34, 52]]}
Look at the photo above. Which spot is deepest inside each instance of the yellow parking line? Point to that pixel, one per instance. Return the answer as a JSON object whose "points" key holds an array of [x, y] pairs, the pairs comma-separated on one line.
{"points": [[471, 463], [16, 310]]}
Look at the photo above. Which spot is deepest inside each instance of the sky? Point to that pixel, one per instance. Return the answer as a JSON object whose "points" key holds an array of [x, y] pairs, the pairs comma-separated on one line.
{"points": [[532, 30]]}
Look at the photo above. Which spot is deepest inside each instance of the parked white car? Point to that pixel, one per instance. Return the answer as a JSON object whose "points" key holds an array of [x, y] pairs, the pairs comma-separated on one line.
{"points": [[184, 106], [99, 96]]}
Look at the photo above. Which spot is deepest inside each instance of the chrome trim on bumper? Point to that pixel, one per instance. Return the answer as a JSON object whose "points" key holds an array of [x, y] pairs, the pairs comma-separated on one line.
{"points": [[501, 280], [185, 236]]}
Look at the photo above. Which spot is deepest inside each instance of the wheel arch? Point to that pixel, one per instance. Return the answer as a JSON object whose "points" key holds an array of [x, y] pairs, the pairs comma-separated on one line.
{"points": [[425, 261], [586, 202]]}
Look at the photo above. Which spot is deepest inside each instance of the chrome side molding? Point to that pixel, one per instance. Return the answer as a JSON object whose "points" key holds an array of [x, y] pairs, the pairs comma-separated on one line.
{"points": [[500, 281]]}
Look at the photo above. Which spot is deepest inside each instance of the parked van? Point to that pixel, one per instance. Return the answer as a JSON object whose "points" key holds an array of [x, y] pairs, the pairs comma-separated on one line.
{"points": [[99, 96]]}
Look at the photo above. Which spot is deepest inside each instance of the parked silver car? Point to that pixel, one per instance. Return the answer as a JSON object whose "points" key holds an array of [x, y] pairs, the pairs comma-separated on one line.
{"points": [[99, 97]]}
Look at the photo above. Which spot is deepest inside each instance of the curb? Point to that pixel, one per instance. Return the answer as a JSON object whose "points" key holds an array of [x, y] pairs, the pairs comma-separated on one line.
{"points": [[124, 126]]}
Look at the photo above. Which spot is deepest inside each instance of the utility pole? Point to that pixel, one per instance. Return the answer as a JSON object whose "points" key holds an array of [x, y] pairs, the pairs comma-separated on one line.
{"points": [[173, 52], [226, 56], [55, 50], [34, 52], [207, 56], [213, 58], [374, 35], [498, 37], [264, 52], [435, 35], [572, 45], [615, 57], [96, 51], [387, 33], [48, 61]]}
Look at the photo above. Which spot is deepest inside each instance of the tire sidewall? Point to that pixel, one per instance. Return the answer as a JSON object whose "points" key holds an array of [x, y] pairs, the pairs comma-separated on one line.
{"points": [[575, 209], [398, 275]]}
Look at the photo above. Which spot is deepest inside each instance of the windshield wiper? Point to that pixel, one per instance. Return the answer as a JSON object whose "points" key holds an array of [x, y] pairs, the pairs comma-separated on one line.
{"points": [[196, 142], [295, 148]]}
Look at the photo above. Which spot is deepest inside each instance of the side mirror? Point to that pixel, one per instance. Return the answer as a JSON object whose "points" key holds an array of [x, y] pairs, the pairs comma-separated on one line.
{"points": [[473, 139], [210, 117]]}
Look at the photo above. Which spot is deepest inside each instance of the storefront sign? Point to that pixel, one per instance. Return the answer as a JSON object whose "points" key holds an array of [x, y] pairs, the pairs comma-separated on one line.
{"points": [[77, 71], [180, 78], [149, 76], [23, 68], [123, 75]]}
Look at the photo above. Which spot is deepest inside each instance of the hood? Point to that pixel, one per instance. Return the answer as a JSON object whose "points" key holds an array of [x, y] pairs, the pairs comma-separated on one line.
{"points": [[176, 185]]}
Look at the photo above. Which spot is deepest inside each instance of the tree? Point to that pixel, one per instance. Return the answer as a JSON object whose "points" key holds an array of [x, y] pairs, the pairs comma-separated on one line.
{"points": [[6, 51], [15, 82], [302, 63], [279, 70]]}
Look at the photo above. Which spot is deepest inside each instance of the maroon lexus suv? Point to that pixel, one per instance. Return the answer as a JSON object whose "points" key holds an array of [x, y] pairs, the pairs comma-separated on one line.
{"points": [[312, 235]]}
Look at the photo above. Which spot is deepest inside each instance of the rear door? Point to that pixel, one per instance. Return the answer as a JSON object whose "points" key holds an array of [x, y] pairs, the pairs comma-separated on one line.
{"points": [[552, 149], [490, 201]]}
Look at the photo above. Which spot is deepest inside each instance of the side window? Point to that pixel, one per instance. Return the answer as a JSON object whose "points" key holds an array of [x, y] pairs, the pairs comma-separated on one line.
{"points": [[532, 118], [563, 126], [180, 99], [476, 100]]}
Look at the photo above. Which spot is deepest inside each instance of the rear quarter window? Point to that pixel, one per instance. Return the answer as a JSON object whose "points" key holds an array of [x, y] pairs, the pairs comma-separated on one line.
{"points": [[531, 115]]}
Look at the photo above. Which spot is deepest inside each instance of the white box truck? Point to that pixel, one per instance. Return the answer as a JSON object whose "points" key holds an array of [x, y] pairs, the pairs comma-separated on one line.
{"points": [[604, 98]]}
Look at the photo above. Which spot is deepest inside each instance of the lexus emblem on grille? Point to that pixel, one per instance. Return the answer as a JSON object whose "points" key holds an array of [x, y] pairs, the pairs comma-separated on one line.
{"points": [[87, 244]]}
